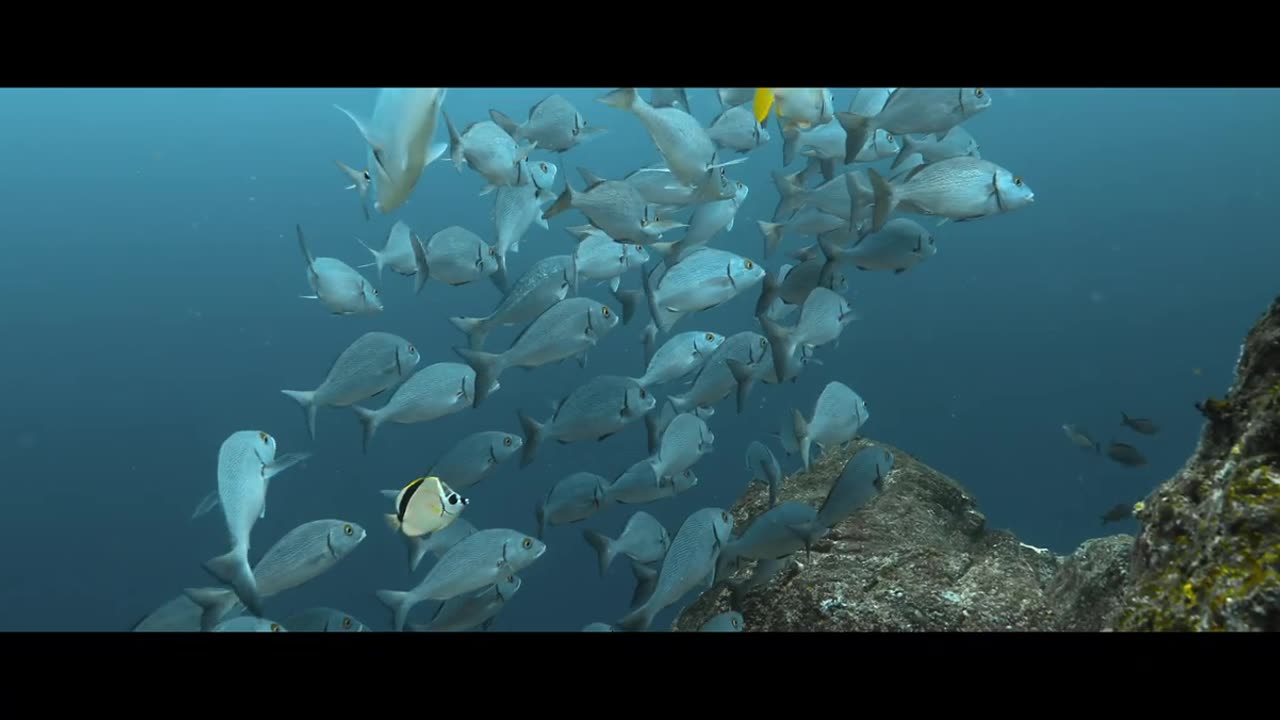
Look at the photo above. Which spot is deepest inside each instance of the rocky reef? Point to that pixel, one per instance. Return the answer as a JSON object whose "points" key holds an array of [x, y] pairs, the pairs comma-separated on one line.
{"points": [[1208, 555], [918, 557]]}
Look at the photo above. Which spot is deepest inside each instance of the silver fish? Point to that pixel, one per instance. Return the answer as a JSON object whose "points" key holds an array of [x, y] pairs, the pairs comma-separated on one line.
{"points": [[477, 609], [518, 207], [823, 317], [955, 142], [180, 614], [822, 142], [655, 184], [396, 253], [960, 188], [839, 196], [569, 328], [614, 206], [704, 278], [644, 539], [870, 101], [803, 107], [638, 485], [478, 560], [337, 285], [1081, 438], [764, 469], [915, 110], [573, 498], [245, 623], [303, 554], [489, 150], [689, 153], [599, 257], [735, 96], [729, 621], [707, 220], [736, 129], [457, 256], [838, 414], [808, 222], [680, 355], [594, 410], [433, 392], [670, 97], [899, 246], [690, 561], [862, 478], [779, 532], [541, 286], [475, 456], [437, 542], [684, 442], [398, 136], [554, 124], [324, 619], [360, 182], [715, 380], [246, 464], [372, 363]]}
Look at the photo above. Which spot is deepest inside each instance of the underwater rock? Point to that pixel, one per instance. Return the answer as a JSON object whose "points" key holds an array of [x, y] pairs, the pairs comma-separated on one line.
{"points": [[918, 557], [1208, 555]]}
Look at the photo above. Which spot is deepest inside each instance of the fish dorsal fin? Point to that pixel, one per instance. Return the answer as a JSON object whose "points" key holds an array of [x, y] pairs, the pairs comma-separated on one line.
{"points": [[559, 406], [590, 178], [914, 171]]}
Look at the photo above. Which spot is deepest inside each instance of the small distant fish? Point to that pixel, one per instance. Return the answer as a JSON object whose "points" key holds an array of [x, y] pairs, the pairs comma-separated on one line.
{"points": [[600, 257], [1145, 426], [594, 410], [486, 148], [457, 256], [426, 505], [810, 221], [715, 381], [680, 355], [516, 208], [1118, 513], [1080, 437], [554, 124], [372, 363], [475, 456], [477, 609], [572, 499], [917, 110], [899, 246], [823, 318], [360, 181], [956, 142], [689, 563], [704, 278], [777, 533], [861, 480], [838, 414], [614, 206], [433, 392], [340, 287], [644, 539], [323, 619], [685, 440], [764, 469], [730, 621], [396, 253], [639, 485], [541, 286], [1126, 454], [736, 129]]}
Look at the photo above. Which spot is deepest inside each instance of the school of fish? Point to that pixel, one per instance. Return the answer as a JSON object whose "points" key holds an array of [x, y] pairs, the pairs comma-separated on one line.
{"points": [[653, 247]]}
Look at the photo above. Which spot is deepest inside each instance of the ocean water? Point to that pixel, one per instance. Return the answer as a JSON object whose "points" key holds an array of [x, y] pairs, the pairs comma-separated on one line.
{"points": [[152, 307]]}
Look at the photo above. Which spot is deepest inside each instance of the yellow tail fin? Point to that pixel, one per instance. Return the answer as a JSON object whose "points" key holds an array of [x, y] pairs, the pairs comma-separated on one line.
{"points": [[762, 104]]}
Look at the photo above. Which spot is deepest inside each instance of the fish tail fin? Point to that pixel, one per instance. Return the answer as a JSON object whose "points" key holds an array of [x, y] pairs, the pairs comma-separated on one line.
{"points": [[511, 127], [782, 344], [655, 314], [646, 582], [802, 436], [399, 603], [622, 98], [476, 330], [306, 400], [745, 379], [768, 292], [857, 129], [630, 300], [213, 602], [369, 421], [420, 261], [532, 437], [790, 194], [790, 143], [562, 203], [455, 143], [488, 367], [885, 201], [772, 235], [233, 569], [378, 260], [908, 149], [499, 277], [639, 619], [603, 546]]}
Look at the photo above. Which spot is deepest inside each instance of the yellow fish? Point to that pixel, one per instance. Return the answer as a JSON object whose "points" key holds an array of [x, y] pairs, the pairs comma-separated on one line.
{"points": [[424, 506], [762, 103]]}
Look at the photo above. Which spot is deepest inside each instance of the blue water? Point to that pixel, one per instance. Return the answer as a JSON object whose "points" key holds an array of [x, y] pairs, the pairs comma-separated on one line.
{"points": [[151, 299]]}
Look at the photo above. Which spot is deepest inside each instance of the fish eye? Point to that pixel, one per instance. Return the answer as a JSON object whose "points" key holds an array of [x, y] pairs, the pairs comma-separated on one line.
{"points": [[643, 394], [764, 342], [739, 186], [346, 623], [266, 439], [375, 291], [527, 543], [605, 311], [453, 498], [543, 166], [734, 623], [493, 253], [639, 248], [724, 516], [413, 350], [367, 176], [347, 529], [749, 264], [709, 337], [979, 92], [644, 222], [507, 441], [1017, 180], [512, 578], [275, 627]]}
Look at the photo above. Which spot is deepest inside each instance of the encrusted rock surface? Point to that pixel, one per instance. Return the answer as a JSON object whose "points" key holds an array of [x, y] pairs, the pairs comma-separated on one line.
{"points": [[1208, 556], [918, 557]]}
